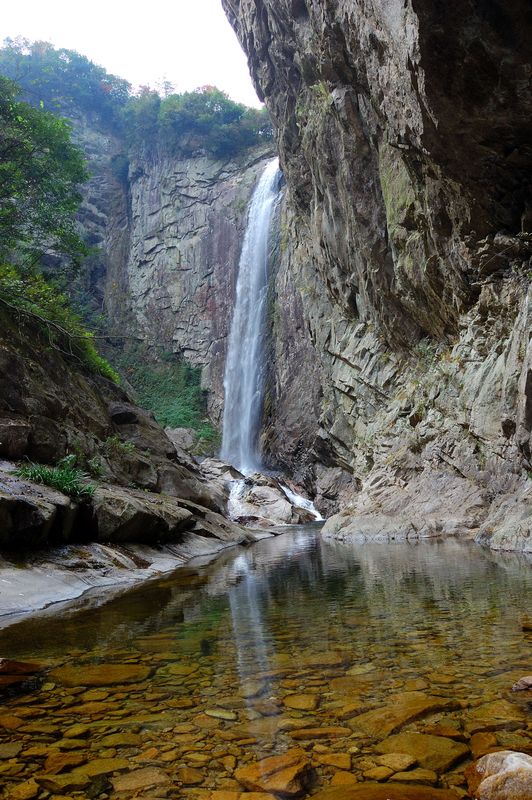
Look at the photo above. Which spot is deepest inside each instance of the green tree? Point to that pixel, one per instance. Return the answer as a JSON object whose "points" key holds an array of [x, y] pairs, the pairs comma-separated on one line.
{"points": [[39, 172], [63, 80]]}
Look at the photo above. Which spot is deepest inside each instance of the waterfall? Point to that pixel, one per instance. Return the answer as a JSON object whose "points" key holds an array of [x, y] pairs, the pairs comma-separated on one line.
{"points": [[244, 368]]}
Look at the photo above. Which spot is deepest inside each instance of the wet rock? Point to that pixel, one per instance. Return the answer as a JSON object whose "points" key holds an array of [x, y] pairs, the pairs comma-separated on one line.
{"points": [[505, 775], [140, 779], [387, 791], [343, 779], [10, 750], [121, 740], [402, 708], [26, 790], [100, 674], [431, 752], [494, 716], [523, 684], [302, 702], [482, 743], [416, 776], [338, 760], [378, 773], [189, 776], [331, 732], [16, 674], [69, 782], [287, 774], [221, 713], [58, 762], [398, 762]]}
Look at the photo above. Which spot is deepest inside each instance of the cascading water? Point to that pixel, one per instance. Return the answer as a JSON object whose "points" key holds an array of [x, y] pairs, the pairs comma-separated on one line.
{"points": [[244, 369]]}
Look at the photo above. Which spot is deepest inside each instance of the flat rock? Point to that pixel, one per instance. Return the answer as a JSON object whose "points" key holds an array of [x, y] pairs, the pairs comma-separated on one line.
{"points": [[26, 790], [302, 702], [287, 774], [501, 776], [402, 708], [189, 776], [140, 779], [431, 752], [100, 674], [57, 762], [338, 760], [331, 732], [494, 716], [418, 775], [221, 713], [384, 791], [399, 762]]}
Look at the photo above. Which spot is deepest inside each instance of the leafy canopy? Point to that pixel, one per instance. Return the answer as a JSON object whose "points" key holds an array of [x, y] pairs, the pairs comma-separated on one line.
{"points": [[62, 80], [39, 172]]}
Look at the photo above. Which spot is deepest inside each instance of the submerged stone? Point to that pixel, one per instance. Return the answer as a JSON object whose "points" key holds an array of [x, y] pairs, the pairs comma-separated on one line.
{"points": [[431, 752], [505, 775], [287, 774], [402, 708], [100, 674], [140, 779], [384, 791]]}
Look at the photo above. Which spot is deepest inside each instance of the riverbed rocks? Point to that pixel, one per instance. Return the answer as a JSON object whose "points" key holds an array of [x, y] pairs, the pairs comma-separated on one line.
{"points": [[501, 776], [287, 775]]}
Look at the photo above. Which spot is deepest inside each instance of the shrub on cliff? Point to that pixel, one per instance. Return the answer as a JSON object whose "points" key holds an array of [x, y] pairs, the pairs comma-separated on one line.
{"points": [[40, 170]]}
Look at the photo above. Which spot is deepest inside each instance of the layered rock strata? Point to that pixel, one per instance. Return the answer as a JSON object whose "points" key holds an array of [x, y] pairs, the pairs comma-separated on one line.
{"points": [[403, 131]]}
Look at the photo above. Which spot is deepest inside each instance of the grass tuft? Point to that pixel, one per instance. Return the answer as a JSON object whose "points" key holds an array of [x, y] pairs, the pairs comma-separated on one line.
{"points": [[65, 477]]}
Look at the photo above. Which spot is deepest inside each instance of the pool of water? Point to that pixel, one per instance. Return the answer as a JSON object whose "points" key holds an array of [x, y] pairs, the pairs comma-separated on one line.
{"points": [[353, 654]]}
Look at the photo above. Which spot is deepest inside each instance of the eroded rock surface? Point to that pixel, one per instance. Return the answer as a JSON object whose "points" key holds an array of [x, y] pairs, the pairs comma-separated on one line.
{"points": [[402, 134]]}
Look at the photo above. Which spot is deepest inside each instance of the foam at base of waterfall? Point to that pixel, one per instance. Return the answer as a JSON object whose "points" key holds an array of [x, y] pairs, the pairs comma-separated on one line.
{"points": [[301, 502]]}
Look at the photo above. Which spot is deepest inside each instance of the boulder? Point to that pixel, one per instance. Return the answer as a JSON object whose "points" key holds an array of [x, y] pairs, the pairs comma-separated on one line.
{"points": [[505, 775], [126, 515]]}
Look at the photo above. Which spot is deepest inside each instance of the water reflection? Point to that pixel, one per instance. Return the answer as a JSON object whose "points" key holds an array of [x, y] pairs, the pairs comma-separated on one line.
{"points": [[293, 633]]}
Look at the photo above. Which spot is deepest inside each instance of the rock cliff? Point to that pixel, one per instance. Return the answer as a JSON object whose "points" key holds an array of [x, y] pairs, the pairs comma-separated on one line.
{"points": [[167, 232], [403, 131]]}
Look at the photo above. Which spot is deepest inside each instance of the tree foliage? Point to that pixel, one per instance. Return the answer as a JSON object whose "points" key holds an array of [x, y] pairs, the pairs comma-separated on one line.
{"points": [[63, 81], [40, 170]]}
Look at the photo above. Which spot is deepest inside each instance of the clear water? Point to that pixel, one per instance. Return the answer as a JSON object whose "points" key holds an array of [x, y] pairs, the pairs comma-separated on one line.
{"points": [[348, 628]]}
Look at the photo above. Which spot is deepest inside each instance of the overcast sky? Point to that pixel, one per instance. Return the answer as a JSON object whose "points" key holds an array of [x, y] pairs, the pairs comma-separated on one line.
{"points": [[188, 42]]}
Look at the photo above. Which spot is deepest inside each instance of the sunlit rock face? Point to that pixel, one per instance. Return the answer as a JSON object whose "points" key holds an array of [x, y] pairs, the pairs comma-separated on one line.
{"points": [[402, 132]]}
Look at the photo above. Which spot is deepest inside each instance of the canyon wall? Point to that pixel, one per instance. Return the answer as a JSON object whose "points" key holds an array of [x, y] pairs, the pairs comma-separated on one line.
{"points": [[404, 137], [167, 233]]}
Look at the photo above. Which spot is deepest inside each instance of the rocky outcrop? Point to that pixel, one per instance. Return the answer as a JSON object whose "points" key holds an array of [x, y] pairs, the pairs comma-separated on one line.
{"points": [[402, 132], [52, 406]]}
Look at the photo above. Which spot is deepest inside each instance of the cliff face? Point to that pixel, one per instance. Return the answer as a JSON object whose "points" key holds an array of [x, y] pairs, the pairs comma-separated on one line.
{"points": [[168, 233], [403, 131]]}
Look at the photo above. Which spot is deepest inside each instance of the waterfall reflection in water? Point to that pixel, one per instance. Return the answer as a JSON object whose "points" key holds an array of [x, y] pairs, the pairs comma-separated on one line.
{"points": [[348, 630]]}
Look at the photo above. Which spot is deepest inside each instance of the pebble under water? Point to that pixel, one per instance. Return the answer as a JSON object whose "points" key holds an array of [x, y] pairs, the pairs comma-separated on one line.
{"points": [[367, 663]]}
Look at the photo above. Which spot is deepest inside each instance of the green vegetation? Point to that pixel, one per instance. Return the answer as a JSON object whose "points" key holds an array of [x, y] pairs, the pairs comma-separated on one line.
{"points": [[63, 81], [65, 477], [172, 390], [31, 296], [66, 82], [40, 170], [114, 445]]}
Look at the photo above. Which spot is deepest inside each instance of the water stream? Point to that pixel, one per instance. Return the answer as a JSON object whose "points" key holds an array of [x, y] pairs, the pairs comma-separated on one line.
{"points": [[244, 370], [334, 648]]}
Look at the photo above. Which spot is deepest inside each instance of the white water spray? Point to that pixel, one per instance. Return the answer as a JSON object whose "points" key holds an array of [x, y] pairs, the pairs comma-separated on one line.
{"points": [[244, 369]]}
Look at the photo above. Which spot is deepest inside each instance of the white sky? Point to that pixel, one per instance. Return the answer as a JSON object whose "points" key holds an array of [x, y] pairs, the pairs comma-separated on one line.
{"points": [[188, 42]]}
